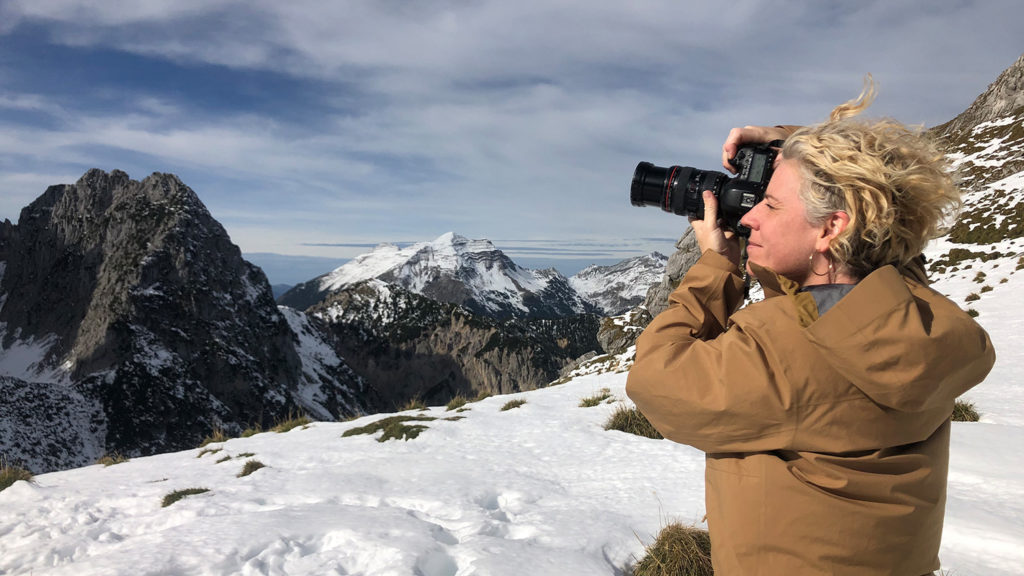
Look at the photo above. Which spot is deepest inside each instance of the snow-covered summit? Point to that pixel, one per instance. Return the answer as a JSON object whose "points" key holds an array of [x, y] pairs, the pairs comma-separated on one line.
{"points": [[449, 255], [455, 269]]}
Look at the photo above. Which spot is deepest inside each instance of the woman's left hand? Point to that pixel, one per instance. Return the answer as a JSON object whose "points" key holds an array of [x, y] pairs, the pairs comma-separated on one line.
{"points": [[711, 235]]}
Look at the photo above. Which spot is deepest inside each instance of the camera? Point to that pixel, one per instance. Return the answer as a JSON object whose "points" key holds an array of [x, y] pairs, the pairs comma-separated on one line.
{"points": [[678, 189]]}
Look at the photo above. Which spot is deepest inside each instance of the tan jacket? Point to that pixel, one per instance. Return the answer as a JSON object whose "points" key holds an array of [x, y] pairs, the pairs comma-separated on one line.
{"points": [[827, 439]]}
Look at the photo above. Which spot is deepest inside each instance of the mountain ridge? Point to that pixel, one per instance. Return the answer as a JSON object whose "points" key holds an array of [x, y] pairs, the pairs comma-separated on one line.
{"points": [[477, 275]]}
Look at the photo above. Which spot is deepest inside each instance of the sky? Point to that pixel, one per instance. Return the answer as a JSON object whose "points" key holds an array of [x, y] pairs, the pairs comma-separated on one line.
{"points": [[318, 130]]}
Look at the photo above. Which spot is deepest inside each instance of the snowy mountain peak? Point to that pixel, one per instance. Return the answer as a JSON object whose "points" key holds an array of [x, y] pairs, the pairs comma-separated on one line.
{"points": [[444, 254], [452, 268]]}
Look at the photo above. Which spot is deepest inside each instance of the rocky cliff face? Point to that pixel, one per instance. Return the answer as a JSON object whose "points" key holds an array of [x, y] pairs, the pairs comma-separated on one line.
{"points": [[686, 255], [409, 346], [131, 297], [1002, 98]]}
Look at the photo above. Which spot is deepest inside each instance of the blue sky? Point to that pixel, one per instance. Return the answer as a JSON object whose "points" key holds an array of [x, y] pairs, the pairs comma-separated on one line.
{"points": [[316, 129]]}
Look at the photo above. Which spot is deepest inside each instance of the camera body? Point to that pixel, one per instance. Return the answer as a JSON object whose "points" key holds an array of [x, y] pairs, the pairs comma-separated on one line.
{"points": [[678, 189]]}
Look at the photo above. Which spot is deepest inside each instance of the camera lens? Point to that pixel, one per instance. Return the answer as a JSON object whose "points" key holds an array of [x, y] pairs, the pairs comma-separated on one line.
{"points": [[666, 188], [679, 189]]}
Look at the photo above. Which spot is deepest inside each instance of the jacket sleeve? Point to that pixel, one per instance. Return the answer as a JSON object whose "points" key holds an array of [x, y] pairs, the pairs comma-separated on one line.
{"points": [[703, 385]]}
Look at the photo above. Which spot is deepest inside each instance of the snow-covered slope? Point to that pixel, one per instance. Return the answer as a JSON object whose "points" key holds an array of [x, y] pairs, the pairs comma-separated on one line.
{"points": [[541, 489], [618, 288]]}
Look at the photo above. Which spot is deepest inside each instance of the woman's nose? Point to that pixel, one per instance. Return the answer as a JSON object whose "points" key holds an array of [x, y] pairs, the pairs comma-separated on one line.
{"points": [[750, 218]]}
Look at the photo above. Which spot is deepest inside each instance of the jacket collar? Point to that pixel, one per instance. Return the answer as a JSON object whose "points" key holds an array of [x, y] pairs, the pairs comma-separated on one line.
{"points": [[775, 284]]}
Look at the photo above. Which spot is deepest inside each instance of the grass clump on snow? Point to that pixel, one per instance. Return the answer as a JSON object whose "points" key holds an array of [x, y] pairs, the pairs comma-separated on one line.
{"points": [[206, 451], [596, 399], [964, 411], [179, 494], [216, 436], [631, 421], [416, 403], [458, 402], [394, 427], [292, 422], [250, 467], [677, 551], [515, 403], [9, 474], [252, 431], [111, 459]]}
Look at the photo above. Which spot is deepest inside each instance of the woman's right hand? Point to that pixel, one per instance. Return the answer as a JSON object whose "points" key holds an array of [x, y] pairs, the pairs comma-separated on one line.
{"points": [[710, 234], [749, 135]]}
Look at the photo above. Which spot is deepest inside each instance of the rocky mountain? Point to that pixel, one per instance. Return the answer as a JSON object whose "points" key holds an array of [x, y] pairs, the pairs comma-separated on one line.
{"points": [[1002, 99], [457, 316], [986, 146], [413, 347], [127, 314], [618, 288], [470, 273]]}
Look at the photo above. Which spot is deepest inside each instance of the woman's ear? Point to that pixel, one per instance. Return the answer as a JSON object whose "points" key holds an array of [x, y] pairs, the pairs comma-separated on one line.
{"points": [[833, 226]]}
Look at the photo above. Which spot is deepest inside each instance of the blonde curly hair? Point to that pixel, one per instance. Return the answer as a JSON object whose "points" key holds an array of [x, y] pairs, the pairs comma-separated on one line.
{"points": [[890, 179]]}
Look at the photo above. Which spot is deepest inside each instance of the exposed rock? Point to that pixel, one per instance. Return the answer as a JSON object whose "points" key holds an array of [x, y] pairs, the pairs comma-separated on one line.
{"points": [[409, 346], [686, 255], [986, 147], [46, 426], [618, 333], [1002, 98], [132, 295]]}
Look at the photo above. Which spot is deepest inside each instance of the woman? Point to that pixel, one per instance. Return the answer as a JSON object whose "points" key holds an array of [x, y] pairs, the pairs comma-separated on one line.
{"points": [[824, 410]]}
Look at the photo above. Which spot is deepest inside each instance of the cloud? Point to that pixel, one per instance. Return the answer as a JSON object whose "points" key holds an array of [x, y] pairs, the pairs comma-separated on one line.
{"points": [[353, 123]]}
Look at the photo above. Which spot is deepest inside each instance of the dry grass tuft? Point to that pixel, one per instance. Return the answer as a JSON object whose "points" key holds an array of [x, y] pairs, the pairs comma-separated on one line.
{"points": [[631, 421], [250, 467], [514, 403], [596, 399], [179, 494], [964, 411], [9, 474], [678, 551]]}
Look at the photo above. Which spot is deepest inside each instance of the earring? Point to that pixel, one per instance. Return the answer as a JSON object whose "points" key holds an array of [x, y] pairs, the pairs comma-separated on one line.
{"points": [[827, 272]]}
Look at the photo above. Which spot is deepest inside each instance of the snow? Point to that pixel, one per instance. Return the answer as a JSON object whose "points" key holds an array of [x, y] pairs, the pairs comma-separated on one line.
{"points": [[472, 262], [629, 279], [317, 358], [539, 489], [446, 253], [25, 358]]}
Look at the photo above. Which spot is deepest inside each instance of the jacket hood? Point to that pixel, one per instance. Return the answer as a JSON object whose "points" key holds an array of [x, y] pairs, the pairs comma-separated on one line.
{"points": [[915, 351]]}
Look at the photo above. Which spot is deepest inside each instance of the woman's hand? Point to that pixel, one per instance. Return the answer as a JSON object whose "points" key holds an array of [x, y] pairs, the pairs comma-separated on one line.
{"points": [[749, 135], [710, 234]]}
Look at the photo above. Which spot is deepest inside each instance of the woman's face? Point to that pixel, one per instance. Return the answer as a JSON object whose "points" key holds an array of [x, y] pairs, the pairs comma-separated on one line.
{"points": [[781, 238]]}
